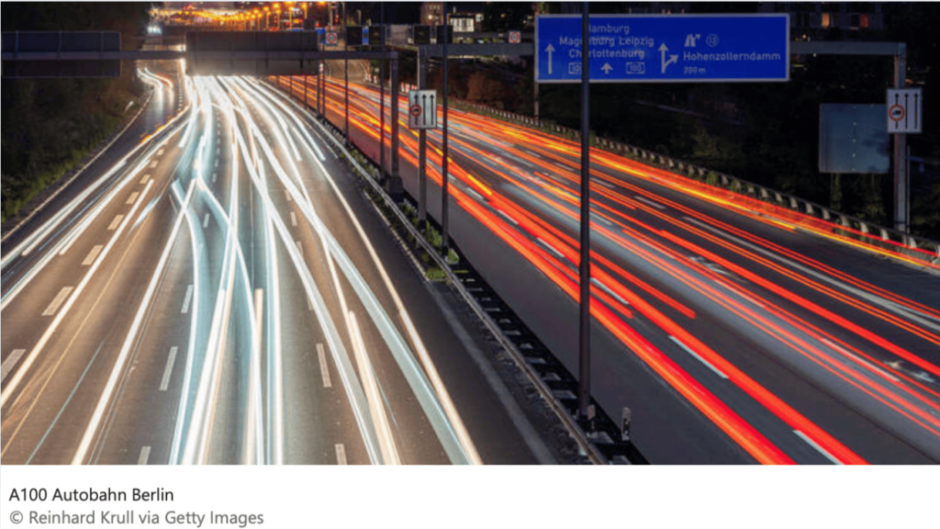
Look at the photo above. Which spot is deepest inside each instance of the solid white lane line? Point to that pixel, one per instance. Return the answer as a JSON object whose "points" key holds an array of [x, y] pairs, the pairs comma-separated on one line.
{"points": [[324, 368], [649, 202], [293, 219], [9, 363], [165, 381], [133, 198], [340, 454], [115, 223], [818, 448], [57, 301], [205, 221], [189, 297], [697, 357], [92, 255], [144, 455], [144, 179], [153, 164]]}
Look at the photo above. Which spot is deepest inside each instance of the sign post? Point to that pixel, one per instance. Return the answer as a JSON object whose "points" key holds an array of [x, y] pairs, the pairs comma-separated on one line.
{"points": [[651, 49], [904, 117], [421, 109]]}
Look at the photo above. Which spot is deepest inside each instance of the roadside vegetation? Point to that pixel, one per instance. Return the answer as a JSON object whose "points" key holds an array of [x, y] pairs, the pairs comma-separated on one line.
{"points": [[49, 126]]}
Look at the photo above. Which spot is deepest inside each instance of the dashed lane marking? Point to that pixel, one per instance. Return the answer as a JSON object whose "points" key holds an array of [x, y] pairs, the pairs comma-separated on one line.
{"points": [[10, 362], [92, 255], [649, 202], [818, 448], [189, 297], [144, 455], [697, 357], [57, 302], [324, 368], [165, 381]]}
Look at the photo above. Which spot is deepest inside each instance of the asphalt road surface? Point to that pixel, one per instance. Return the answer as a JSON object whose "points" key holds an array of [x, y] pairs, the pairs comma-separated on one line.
{"points": [[736, 331], [214, 289]]}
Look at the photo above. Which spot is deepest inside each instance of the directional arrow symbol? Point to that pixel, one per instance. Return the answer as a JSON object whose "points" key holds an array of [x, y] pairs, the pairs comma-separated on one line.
{"points": [[424, 107], [905, 109], [607, 68], [672, 58], [550, 49]]}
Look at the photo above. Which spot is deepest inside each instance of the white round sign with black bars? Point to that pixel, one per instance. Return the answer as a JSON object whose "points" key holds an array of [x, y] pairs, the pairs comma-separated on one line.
{"points": [[905, 109], [422, 109]]}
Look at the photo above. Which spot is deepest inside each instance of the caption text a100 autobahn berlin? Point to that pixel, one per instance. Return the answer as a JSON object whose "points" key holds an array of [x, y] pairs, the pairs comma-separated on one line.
{"points": [[90, 495]]}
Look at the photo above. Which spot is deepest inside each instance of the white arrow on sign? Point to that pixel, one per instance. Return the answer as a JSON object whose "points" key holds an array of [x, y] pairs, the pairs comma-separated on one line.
{"points": [[607, 68], [672, 58], [550, 49]]}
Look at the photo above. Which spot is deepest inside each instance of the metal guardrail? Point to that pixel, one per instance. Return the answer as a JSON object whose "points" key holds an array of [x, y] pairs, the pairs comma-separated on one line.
{"points": [[854, 227], [577, 433]]}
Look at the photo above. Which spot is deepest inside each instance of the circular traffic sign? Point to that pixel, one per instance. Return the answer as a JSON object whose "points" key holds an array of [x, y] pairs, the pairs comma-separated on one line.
{"points": [[331, 38], [515, 37], [896, 112], [415, 110]]}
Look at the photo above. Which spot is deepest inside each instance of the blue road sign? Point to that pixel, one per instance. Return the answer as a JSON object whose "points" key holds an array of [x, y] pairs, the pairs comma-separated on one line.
{"points": [[664, 48]]}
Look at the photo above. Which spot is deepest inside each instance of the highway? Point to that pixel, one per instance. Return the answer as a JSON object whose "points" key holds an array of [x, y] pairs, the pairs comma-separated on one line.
{"points": [[215, 289], [737, 331]]}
